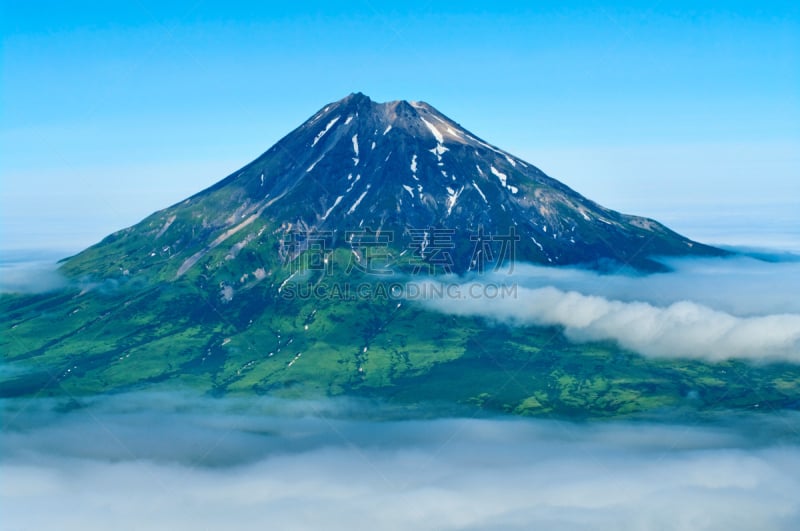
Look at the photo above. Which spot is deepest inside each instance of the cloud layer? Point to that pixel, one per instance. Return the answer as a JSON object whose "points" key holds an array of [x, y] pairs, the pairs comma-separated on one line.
{"points": [[653, 315], [130, 463], [30, 277]]}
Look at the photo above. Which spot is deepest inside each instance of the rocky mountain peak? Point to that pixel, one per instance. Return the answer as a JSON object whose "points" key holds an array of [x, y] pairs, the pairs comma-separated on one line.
{"points": [[402, 168]]}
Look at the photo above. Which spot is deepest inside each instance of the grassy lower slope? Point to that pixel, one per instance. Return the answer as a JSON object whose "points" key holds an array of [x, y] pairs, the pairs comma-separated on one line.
{"points": [[124, 335]]}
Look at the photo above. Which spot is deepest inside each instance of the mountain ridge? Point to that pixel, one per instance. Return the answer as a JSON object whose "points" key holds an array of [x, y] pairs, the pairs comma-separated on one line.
{"points": [[402, 168]]}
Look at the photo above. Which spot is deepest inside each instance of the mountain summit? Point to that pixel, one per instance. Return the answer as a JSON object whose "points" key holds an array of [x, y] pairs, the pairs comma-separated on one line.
{"points": [[401, 169], [294, 277]]}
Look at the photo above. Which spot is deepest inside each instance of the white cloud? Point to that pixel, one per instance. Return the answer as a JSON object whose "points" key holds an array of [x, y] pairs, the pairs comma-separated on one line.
{"points": [[30, 277], [682, 329], [656, 315], [136, 463], [742, 286]]}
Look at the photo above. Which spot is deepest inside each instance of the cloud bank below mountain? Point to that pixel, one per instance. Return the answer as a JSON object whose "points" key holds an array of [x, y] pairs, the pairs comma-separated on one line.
{"points": [[134, 462], [714, 309], [30, 277]]}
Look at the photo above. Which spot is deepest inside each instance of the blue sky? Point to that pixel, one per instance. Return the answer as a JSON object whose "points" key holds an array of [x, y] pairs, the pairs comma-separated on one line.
{"points": [[111, 110]]}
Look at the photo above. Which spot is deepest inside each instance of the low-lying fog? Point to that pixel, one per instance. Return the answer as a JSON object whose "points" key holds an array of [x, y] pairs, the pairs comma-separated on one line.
{"points": [[173, 462]]}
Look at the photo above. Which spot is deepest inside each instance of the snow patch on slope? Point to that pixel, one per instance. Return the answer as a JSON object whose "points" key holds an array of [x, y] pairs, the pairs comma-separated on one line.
{"points": [[355, 149], [452, 197], [322, 133], [439, 150], [480, 192], [436, 133], [500, 175], [358, 201], [350, 188], [334, 205], [314, 164]]}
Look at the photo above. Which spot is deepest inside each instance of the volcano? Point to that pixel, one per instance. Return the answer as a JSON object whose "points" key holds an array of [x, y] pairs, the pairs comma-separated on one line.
{"points": [[223, 292], [401, 169]]}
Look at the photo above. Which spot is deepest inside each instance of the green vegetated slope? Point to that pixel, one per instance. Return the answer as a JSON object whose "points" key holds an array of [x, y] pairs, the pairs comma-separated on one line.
{"points": [[225, 330], [211, 293]]}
